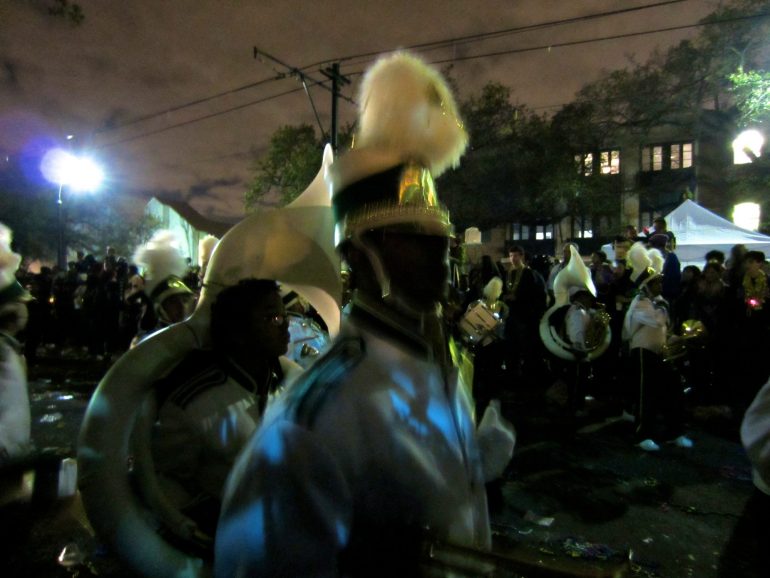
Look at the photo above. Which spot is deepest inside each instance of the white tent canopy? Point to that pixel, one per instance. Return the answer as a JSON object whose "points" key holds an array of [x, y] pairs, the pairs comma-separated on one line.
{"points": [[699, 231]]}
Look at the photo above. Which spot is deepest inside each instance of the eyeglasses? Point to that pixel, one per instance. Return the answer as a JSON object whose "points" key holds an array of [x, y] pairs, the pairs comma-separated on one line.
{"points": [[276, 320]]}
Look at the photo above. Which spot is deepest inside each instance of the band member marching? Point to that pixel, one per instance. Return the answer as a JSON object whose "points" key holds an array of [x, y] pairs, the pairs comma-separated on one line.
{"points": [[659, 398], [374, 450]]}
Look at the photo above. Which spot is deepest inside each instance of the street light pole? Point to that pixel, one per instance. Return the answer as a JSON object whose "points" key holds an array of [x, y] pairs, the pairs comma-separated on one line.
{"points": [[61, 253], [79, 174]]}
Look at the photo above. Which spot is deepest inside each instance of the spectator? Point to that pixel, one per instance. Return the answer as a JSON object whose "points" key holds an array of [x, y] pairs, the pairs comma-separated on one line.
{"points": [[525, 296], [672, 268]]}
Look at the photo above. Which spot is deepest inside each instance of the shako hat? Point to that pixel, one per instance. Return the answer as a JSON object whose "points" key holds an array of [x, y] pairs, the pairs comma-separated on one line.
{"points": [[164, 267], [646, 265], [409, 132]]}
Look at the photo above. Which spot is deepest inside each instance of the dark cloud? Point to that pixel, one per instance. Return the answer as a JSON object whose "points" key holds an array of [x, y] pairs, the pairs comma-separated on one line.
{"points": [[121, 79], [205, 188]]}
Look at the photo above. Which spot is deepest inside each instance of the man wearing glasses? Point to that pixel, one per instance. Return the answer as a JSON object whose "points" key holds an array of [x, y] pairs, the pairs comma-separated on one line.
{"points": [[213, 400]]}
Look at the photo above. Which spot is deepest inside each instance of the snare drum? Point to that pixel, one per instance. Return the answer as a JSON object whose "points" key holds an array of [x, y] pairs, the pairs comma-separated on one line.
{"points": [[478, 325]]}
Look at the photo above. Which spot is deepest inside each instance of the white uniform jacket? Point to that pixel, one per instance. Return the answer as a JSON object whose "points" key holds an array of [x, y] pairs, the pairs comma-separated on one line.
{"points": [[755, 435], [207, 414], [371, 452], [576, 323], [14, 401], [646, 323]]}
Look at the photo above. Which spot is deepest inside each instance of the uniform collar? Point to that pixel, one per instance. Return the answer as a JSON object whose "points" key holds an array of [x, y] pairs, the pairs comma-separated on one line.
{"points": [[377, 317]]}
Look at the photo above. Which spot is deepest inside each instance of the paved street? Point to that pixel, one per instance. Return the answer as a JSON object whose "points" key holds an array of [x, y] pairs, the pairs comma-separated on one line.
{"points": [[577, 495]]}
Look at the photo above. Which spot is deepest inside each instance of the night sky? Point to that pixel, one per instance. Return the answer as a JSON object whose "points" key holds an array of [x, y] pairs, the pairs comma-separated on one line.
{"points": [[121, 82]]}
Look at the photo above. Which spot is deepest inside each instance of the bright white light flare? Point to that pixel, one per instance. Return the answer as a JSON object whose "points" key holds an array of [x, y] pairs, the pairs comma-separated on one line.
{"points": [[63, 168], [746, 216], [748, 140]]}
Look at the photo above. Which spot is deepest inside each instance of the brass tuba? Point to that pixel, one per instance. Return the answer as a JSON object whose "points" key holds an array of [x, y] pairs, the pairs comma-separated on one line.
{"points": [[551, 328], [692, 333], [293, 245]]}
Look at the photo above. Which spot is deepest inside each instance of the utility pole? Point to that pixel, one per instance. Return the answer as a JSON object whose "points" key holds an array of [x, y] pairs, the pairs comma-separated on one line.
{"points": [[338, 80], [332, 73]]}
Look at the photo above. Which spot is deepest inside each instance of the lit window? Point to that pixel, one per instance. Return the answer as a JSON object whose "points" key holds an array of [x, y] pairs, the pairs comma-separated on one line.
{"points": [[525, 232], [610, 162], [676, 157], [543, 232], [686, 155], [516, 232], [588, 164], [657, 158]]}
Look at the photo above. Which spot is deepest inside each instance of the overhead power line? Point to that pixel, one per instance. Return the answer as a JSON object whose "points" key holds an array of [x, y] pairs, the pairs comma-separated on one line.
{"points": [[459, 59], [448, 42], [189, 104], [198, 119], [553, 45], [436, 44]]}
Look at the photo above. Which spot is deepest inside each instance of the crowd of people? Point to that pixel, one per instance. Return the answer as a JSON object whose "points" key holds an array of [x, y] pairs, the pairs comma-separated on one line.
{"points": [[713, 324], [97, 306]]}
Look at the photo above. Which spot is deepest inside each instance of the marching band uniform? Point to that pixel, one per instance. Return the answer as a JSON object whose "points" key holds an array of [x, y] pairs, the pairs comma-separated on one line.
{"points": [[164, 270], [574, 297], [658, 390], [14, 401], [15, 419], [374, 449], [208, 408], [755, 435]]}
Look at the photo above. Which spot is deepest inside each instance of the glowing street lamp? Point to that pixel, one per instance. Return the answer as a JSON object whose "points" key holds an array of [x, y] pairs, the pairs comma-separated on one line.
{"points": [[79, 174], [747, 147], [746, 216]]}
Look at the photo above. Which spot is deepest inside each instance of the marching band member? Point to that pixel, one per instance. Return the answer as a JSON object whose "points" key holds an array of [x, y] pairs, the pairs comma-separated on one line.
{"points": [[229, 350], [646, 328], [15, 420], [167, 298], [373, 450], [211, 403]]}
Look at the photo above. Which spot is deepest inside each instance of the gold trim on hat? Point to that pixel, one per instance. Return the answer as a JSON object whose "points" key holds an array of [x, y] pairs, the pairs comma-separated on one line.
{"points": [[416, 207], [416, 187]]}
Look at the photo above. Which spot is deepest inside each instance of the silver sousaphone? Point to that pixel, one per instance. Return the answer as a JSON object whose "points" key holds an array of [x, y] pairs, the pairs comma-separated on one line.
{"points": [[552, 334], [293, 245]]}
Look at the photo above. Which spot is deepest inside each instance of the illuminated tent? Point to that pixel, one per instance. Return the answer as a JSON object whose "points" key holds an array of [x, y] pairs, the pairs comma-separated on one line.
{"points": [[699, 231]]}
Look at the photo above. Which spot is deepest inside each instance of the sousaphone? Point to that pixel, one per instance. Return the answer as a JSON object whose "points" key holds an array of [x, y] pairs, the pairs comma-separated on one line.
{"points": [[293, 245], [552, 334]]}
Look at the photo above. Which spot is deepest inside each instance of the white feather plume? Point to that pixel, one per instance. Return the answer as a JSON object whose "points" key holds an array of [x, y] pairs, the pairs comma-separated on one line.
{"points": [[9, 261], [408, 107], [639, 259], [656, 260], [205, 249], [160, 257]]}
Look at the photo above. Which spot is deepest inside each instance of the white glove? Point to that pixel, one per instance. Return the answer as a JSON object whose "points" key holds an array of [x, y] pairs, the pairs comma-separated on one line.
{"points": [[496, 437]]}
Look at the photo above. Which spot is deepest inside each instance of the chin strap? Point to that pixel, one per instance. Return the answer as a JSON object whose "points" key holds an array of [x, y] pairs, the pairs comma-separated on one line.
{"points": [[392, 299], [373, 256]]}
